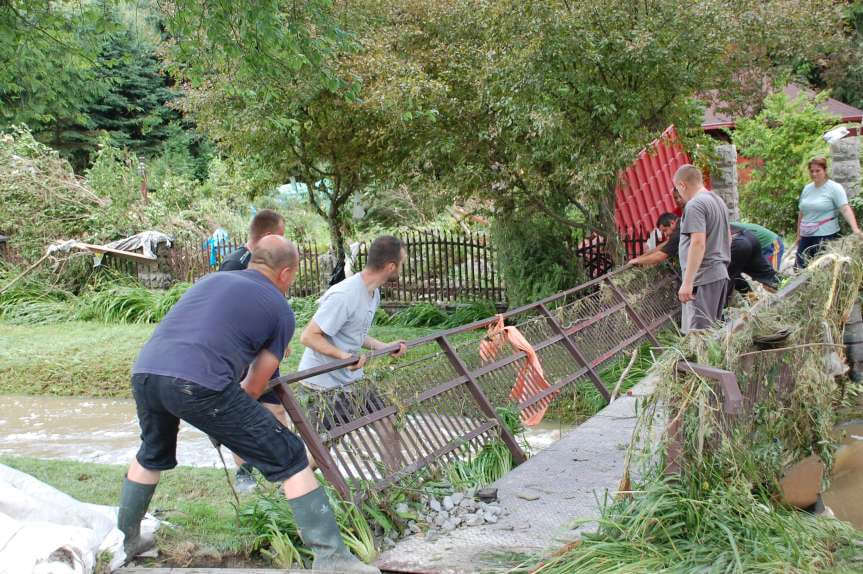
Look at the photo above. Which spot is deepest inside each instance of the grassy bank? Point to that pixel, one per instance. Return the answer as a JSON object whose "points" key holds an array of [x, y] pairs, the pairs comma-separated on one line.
{"points": [[87, 358]]}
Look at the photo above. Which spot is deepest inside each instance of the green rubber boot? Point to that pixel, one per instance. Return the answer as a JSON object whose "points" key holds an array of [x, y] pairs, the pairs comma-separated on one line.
{"points": [[318, 529], [134, 501]]}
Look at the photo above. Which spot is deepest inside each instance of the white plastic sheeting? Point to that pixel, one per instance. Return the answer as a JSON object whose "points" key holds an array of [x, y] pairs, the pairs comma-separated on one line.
{"points": [[45, 531], [147, 241]]}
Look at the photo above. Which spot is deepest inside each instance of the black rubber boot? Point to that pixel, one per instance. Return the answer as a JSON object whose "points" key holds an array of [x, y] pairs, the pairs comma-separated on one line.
{"points": [[134, 501], [320, 532]]}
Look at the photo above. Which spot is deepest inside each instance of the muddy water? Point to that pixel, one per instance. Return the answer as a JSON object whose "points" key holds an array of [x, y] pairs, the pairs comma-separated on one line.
{"points": [[106, 431], [845, 496], [87, 430]]}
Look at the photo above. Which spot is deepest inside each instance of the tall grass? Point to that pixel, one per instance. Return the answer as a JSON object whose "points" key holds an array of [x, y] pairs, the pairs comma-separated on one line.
{"points": [[673, 526], [111, 298], [127, 304], [493, 460], [583, 400], [268, 517]]}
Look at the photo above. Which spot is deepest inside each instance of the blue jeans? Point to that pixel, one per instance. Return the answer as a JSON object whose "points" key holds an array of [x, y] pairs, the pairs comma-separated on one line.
{"points": [[810, 247]]}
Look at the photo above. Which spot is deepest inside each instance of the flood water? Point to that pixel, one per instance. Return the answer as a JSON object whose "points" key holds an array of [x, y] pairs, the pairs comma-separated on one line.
{"points": [[106, 431], [845, 496]]}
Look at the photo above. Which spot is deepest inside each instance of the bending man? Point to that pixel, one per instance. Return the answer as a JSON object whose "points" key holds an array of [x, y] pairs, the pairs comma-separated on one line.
{"points": [[189, 370]]}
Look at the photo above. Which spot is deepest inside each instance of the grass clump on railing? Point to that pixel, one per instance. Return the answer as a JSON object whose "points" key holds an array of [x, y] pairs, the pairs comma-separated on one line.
{"points": [[721, 509]]}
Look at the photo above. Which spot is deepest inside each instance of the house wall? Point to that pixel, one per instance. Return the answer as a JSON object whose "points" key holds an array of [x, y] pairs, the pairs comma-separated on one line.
{"points": [[845, 164], [724, 179]]}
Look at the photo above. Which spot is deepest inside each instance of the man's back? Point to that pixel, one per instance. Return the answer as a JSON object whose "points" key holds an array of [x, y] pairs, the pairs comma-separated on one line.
{"points": [[217, 328], [765, 236], [706, 213]]}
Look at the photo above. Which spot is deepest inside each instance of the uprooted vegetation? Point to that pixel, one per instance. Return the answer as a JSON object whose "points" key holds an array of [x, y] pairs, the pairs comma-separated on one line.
{"points": [[42, 200], [722, 510]]}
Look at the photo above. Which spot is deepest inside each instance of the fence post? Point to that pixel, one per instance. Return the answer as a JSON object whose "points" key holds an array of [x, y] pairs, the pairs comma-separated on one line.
{"points": [[313, 441], [483, 402], [574, 351], [631, 312]]}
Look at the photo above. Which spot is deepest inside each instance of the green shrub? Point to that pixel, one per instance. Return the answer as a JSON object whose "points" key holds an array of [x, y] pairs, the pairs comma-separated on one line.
{"points": [[535, 255], [780, 141], [470, 312], [419, 315]]}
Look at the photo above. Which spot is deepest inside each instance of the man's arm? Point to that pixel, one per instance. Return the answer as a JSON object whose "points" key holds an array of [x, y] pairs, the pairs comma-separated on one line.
{"points": [[260, 372], [315, 339], [650, 259], [654, 249], [697, 247]]}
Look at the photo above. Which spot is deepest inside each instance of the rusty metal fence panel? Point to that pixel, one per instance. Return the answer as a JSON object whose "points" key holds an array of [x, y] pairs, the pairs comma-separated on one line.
{"points": [[438, 404]]}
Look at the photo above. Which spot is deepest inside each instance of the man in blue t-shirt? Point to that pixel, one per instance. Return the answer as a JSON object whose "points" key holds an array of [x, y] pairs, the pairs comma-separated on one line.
{"points": [[190, 369]]}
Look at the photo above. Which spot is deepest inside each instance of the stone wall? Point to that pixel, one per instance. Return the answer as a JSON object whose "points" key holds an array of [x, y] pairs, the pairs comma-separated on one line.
{"points": [[845, 164], [723, 179]]}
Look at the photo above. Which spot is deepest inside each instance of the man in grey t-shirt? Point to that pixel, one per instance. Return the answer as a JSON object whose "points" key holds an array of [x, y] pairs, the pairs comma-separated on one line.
{"points": [[705, 251], [340, 328]]}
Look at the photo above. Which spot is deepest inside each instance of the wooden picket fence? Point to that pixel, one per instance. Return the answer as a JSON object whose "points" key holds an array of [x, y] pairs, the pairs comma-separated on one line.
{"points": [[442, 267]]}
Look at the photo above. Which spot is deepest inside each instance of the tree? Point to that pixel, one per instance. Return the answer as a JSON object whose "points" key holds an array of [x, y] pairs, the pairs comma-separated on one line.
{"points": [[548, 101], [133, 109], [48, 52], [354, 130], [781, 140]]}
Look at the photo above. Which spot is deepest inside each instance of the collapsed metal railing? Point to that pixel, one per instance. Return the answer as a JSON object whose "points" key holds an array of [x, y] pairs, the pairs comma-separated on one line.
{"points": [[439, 403], [737, 403]]}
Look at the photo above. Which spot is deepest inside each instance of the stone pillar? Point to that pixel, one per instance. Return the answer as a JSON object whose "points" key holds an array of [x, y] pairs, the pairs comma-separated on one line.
{"points": [[845, 167], [723, 179]]}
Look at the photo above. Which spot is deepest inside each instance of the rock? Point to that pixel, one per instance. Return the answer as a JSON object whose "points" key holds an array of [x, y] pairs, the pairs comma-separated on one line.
{"points": [[528, 495], [448, 504], [402, 508], [435, 505], [475, 519], [441, 519], [388, 542], [468, 503], [457, 498], [489, 517], [487, 494], [414, 527], [449, 525]]}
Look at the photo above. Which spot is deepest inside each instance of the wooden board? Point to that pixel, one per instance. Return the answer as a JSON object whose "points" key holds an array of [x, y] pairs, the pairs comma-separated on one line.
{"points": [[112, 251]]}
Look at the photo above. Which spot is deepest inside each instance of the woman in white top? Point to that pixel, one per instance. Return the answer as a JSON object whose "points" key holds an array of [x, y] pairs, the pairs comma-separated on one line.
{"points": [[820, 204]]}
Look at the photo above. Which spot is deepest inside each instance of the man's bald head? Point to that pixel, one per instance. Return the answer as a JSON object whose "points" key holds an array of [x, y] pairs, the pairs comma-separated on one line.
{"points": [[688, 173], [688, 180], [275, 253]]}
